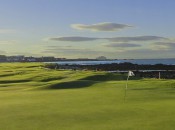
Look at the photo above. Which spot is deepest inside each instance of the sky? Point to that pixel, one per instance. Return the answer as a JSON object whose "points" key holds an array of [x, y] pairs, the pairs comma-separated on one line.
{"points": [[117, 29]]}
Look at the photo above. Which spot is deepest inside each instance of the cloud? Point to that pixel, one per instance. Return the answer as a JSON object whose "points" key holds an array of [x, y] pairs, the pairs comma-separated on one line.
{"points": [[76, 52], [163, 45], [147, 53], [122, 45], [58, 46], [112, 39], [118, 53], [2, 52], [25, 53], [67, 50], [168, 44], [107, 26], [7, 31], [136, 39], [7, 42], [73, 39]]}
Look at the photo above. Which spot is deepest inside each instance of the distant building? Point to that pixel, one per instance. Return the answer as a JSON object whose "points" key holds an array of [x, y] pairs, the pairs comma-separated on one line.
{"points": [[82, 59], [58, 59], [15, 58], [22, 58], [3, 58], [49, 58], [30, 59], [101, 58]]}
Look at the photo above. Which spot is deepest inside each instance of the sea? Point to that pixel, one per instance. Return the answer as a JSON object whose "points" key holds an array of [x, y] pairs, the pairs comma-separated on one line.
{"points": [[133, 61]]}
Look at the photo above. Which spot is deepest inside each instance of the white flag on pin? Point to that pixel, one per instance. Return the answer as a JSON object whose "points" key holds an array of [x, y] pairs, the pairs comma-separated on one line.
{"points": [[130, 73]]}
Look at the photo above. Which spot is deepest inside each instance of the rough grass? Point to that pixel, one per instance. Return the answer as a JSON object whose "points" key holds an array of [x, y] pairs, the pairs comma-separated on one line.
{"points": [[34, 98]]}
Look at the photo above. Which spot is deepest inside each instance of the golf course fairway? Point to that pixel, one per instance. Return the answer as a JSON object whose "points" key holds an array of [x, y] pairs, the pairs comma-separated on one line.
{"points": [[35, 98]]}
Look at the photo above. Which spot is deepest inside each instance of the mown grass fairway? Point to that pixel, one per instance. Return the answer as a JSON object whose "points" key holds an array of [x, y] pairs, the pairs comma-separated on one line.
{"points": [[33, 98]]}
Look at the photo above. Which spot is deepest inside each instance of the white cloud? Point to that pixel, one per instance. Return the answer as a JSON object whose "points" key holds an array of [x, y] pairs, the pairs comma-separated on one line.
{"points": [[76, 52], [122, 45], [73, 52], [2, 52], [8, 42], [7, 31], [107, 26], [123, 52], [163, 45], [58, 46], [147, 53], [136, 38], [73, 39], [112, 39]]}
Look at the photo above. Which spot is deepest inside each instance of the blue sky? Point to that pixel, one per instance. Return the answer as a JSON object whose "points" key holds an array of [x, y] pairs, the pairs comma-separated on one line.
{"points": [[88, 28]]}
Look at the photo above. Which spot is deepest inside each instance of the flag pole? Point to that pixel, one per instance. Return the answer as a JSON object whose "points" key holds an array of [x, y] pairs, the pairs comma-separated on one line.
{"points": [[127, 83], [126, 87], [130, 73]]}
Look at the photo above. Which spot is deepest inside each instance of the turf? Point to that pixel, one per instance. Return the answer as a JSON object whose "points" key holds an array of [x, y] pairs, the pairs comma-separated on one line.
{"points": [[35, 98]]}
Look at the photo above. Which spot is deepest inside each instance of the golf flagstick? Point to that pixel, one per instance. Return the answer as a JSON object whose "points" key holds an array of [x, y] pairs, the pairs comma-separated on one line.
{"points": [[130, 73]]}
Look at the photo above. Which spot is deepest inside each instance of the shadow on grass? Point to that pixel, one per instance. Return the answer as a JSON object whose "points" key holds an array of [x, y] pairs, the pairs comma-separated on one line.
{"points": [[144, 88], [89, 81], [14, 81], [13, 74], [6, 75], [109, 77], [71, 84], [48, 79]]}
